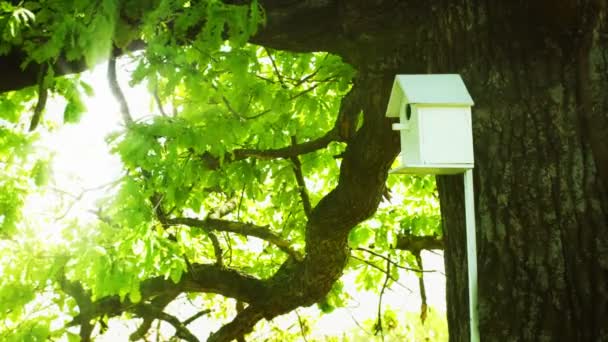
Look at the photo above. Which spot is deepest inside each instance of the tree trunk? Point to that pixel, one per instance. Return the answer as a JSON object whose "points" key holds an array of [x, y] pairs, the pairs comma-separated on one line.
{"points": [[540, 89], [538, 73]]}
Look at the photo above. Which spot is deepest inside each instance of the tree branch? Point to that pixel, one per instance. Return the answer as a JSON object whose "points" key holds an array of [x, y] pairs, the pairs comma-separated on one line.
{"points": [[217, 248], [371, 264], [117, 92], [43, 94], [301, 323], [261, 232], [276, 69], [240, 306], [181, 331], [379, 328], [297, 169], [196, 316], [213, 163], [85, 305], [290, 151], [159, 303], [419, 270], [415, 244], [201, 278], [159, 103], [242, 324], [423, 305]]}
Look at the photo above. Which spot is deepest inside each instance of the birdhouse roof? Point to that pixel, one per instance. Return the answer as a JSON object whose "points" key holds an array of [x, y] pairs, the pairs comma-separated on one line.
{"points": [[443, 89]]}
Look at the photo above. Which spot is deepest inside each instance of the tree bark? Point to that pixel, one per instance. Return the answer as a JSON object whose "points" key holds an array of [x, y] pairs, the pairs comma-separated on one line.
{"points": [[540, 178]]}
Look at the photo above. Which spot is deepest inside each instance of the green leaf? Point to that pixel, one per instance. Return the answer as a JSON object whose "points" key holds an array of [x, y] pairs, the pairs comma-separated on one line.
{"points": [[325, 307], [72, 337], [40, 172], [73, 111], [176, 274], [135, 294], [360, 236], [88, 90]]}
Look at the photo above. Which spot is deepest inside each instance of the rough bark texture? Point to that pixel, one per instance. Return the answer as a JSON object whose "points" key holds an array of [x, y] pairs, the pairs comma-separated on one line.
{"points": [[538, 72], [538, 76]]}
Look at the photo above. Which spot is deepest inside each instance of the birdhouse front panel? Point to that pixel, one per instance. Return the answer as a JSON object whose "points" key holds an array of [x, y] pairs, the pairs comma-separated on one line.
{"points": [[434, 114], [445, 135]]}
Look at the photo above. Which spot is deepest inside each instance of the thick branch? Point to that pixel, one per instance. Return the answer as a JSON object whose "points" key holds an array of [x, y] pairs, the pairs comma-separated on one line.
{"points": [[289, 151], [181, 331], [85, 305], [415, 244], [213, 163], [43, 94], [303, 26], [200, 278], [242, 324], [159, 304]]}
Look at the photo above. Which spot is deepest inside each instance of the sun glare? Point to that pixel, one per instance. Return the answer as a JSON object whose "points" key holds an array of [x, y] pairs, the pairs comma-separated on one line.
{"points": [[82, 168]]}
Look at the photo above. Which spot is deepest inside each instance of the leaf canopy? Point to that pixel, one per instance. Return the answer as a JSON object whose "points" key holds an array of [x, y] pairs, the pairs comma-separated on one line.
{"points": [[226, 182]]}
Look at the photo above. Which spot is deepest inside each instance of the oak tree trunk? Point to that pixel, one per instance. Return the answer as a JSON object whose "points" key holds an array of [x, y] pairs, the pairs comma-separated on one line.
{"points": [[541, 89]]}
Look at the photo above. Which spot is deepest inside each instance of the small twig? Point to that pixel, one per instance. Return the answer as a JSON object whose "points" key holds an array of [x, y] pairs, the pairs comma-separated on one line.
{"points": [[78, 197], [255, 116], [377, 267], [378, 327], [304, 92], [301, 326], [276, 69], [229, 244], [358, 324], [217, 248], [233, 111], [159, 103], [297, 169], [247, 229], [117, 92], [309, 76], [238, 210], [423, 305], [196, 316], [394, 263]]}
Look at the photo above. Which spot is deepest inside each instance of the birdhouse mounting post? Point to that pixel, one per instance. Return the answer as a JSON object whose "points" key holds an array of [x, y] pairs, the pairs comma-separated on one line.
{"points": [[436, 133]]}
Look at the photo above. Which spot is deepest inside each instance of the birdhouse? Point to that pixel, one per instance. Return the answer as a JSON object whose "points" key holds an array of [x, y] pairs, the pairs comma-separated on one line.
{"points": [[434, 114]]}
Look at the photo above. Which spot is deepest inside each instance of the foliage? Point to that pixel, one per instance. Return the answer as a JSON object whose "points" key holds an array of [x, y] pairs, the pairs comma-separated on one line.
{"points": [[221, 180], [408, 328]]}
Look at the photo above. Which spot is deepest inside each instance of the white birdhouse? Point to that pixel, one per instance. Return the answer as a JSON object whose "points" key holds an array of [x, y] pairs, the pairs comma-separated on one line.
{"points": [[434, 114]]}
